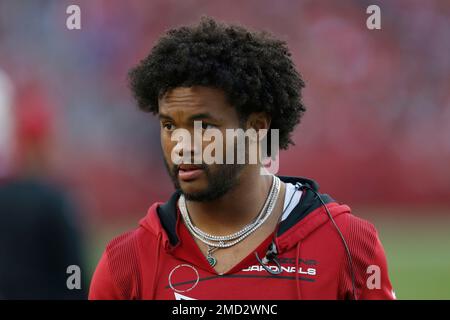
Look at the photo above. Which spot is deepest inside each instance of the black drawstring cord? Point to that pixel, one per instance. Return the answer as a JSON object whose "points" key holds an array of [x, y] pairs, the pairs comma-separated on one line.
{"points": [[272, 252], [347, 250], [271, 255]]}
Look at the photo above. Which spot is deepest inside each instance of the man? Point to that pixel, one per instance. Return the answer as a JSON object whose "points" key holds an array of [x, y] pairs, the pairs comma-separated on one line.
{"points": [[39, 229], [229, 231]]}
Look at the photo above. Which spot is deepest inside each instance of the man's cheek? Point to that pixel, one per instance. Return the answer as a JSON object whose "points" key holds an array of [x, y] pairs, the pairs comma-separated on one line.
{"points": [[167, 149]]}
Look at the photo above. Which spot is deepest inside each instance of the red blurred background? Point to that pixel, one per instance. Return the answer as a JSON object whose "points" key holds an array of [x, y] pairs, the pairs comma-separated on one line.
{"points": [[376, 130]]}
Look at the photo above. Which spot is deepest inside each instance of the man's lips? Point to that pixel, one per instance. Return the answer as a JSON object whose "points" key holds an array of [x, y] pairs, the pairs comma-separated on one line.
{"points": [[189, 172]]}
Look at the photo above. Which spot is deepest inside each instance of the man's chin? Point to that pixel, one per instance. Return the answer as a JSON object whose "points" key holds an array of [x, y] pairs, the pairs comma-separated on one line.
{"points": [[196, 196], [199, 193], [204, 194], [192, 189]]}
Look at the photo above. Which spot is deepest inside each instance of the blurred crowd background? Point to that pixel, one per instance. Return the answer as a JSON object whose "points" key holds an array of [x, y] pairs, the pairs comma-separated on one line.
{"points": [[376, 134]]}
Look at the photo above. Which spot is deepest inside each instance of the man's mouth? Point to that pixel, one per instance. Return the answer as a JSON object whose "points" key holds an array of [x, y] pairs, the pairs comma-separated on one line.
{"points": [[189, 172]]}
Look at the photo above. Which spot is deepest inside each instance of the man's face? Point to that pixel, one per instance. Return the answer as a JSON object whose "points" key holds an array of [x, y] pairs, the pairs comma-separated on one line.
{"points": [[178, 109]]}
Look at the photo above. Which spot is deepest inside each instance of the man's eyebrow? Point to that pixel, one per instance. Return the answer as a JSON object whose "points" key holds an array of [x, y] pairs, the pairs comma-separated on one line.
{"points": [[200, 116], [164, 116]]}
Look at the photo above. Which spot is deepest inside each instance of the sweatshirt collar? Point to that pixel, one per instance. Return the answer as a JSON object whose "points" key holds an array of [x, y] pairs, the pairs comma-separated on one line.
{"points": [[305, 218]]}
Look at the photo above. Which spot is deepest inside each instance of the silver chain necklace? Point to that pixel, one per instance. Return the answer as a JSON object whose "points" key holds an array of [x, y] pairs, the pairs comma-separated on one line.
{"points": [[216, 242]]}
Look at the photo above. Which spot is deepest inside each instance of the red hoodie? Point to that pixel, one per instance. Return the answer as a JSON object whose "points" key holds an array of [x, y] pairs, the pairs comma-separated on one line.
{"points": [[161, 260]]}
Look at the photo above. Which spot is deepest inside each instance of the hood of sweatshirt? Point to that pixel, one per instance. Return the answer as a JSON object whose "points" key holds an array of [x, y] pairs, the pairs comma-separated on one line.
{"points": [[162, 218]]}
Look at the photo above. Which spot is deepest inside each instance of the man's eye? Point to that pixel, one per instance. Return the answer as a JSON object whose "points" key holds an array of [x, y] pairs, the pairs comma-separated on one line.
{"points": [[207, 126], [168, 126]]}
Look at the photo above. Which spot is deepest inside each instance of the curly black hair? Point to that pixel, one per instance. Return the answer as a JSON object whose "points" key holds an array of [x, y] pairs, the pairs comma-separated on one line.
{"points": [[254, 69]]}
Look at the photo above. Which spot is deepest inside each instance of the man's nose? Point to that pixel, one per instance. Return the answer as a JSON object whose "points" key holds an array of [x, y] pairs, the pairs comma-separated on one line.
{"points": [[188, 148]]}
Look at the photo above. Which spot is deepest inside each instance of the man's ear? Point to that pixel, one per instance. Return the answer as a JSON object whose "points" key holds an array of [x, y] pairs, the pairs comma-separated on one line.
{"points": [[258, 121]]}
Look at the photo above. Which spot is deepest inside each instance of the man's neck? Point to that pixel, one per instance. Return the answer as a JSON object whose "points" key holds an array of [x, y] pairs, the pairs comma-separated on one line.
{"points": [[236, 208]]}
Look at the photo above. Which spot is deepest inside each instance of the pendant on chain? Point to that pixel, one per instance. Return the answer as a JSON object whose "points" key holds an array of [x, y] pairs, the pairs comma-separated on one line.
{"points": [[212, 261]]}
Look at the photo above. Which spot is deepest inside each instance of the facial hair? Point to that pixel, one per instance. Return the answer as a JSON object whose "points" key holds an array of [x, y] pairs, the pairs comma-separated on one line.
{"points": [[222, 180]]}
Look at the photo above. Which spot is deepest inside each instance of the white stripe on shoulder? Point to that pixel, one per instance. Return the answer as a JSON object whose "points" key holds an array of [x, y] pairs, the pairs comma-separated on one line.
{"points": [[291, 192]]}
